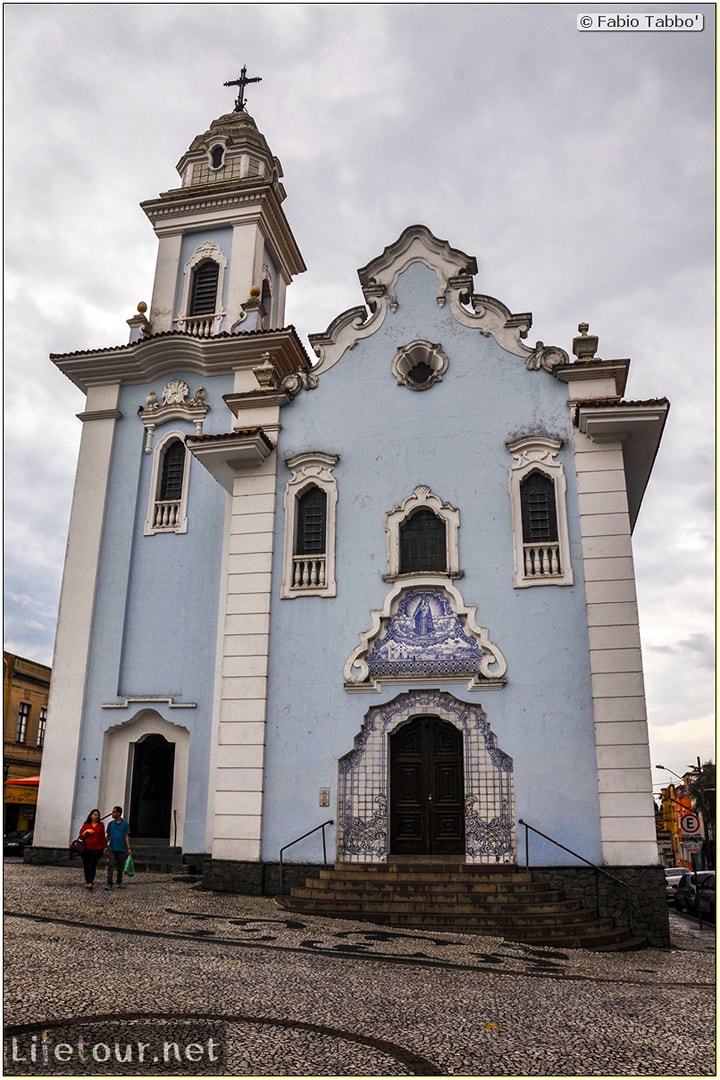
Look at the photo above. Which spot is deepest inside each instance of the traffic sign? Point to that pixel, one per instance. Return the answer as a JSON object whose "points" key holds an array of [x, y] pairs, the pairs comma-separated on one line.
{"points": [[690, 823]]}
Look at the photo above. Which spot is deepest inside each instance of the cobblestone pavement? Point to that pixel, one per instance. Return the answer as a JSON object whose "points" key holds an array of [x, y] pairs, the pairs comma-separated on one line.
{"points": [[163, 978]]}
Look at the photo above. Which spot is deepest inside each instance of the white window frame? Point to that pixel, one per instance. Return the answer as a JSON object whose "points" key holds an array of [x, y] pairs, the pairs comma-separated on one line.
{"points": [[408, 356], [312, 469], [536, 564], [202, 325], [180, 523], [221, 142], [42, 728], [422, 496]]}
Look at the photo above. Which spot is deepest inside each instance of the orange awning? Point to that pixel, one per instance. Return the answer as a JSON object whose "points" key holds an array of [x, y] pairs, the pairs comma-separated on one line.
{"points": [[30, 781]]}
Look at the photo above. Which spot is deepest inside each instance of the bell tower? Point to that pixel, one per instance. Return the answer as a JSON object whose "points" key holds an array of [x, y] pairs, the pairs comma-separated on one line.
{"points": [[226, 252]]}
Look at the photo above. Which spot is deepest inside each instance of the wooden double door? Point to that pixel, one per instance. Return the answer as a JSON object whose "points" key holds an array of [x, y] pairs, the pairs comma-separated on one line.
{"points": [[427, 814]]}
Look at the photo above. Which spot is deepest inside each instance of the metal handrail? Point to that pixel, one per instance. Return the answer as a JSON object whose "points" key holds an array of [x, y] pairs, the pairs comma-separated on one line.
{"points": [[297, 841], [597, 869]]}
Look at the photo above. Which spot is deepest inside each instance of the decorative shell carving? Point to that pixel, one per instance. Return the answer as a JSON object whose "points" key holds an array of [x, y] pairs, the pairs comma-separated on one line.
{"points": [[175, 393]]}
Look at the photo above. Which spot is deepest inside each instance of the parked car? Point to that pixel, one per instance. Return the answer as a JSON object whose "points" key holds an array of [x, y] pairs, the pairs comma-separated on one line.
{"points": [[687, 892], [672, 878], [706, 896], [16, 842]]}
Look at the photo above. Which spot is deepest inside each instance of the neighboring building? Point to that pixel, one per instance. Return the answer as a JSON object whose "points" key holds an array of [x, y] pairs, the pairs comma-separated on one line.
{"points": [[26, 685], [394, 589], [683, 832]]}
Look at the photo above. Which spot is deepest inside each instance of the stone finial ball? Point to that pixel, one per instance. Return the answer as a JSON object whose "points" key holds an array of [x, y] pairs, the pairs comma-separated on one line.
{"points": [[142, 307]]}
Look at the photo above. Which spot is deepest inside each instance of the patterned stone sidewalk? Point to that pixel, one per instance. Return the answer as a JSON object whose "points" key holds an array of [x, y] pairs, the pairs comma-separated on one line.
{"points": [[232, 985]]}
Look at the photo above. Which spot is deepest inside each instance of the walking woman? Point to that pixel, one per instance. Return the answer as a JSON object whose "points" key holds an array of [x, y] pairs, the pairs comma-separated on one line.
{"points": [[93, 833]]}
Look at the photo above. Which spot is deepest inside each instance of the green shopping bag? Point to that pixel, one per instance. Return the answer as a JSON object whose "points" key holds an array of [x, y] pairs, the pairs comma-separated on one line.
{"points": [[129, 869]]}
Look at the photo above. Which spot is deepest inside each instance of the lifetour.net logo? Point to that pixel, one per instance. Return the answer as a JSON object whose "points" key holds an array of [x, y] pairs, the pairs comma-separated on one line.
{"points": [[641, 21], [117, 1047]]}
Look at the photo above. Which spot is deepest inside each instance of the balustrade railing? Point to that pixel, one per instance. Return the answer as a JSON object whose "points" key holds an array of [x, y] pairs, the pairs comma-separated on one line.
{"points": [[167, 514], [308, 571], [200, 326], [542, 560]]}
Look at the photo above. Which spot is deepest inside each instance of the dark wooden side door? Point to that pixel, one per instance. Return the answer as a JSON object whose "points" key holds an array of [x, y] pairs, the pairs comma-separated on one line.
{"points": [[426, 788], [152, 786]]}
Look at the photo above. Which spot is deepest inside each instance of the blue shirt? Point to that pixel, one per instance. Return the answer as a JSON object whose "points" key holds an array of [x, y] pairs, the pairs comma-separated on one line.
{"points": [[117, 831]]}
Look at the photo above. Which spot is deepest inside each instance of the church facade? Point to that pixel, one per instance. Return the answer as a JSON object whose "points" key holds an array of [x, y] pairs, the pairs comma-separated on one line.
{"points": [[386, 580]]}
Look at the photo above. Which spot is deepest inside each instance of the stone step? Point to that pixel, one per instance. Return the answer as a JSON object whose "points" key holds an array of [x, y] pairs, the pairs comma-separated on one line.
{"points": [[352, 885], [443, 871], [589, 934], [554, 899], [447, 914], [152, 858], [501, 901]]}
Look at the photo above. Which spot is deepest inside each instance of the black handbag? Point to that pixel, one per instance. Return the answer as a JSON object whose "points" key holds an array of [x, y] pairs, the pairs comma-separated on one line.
{"points": [[77, 847]]}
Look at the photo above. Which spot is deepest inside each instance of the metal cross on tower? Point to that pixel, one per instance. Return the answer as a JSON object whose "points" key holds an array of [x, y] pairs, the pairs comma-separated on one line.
{"points": [[242, 83]]}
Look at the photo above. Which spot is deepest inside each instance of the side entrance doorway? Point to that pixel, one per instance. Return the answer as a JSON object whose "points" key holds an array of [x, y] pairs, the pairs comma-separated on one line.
{"points": [[427, 794], [152, 787]]}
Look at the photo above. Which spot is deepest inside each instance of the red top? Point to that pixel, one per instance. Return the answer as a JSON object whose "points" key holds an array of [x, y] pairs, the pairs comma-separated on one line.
{"points": [[94, 836]]}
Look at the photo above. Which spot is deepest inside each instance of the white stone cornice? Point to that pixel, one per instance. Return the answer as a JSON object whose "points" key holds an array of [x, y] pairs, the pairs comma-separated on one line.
{"points": [[590, 371], [163, 354], [346, 330], [493, 319], [454, 270], [149, 700], [417, 244], [639, 427], [239, 204], [100, 414], [224, 455]]}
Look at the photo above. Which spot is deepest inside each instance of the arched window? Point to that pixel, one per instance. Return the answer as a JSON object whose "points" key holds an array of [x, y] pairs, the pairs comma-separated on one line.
{"points": [[217, 155], [422, 536], [201, 312], [204, 288], [537, 499], [537, 485], [310, 537], [167, 510], [423, 543], [173, 468], [309, 550]]}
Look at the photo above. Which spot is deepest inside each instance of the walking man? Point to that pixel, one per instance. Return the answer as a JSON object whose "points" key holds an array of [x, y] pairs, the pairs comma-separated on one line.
{"points": [[118, 849]]}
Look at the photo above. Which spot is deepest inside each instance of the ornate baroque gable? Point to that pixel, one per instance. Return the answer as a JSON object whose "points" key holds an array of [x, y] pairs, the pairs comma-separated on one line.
{"points": [[454, 270]]}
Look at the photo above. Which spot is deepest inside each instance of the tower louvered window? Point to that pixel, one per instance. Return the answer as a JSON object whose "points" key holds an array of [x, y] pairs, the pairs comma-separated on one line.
{"points": [[311, 522], [204, 288], [423, 543], [537, 499]]}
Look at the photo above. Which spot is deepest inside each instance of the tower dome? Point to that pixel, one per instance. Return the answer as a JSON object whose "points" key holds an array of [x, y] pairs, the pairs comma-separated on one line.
{"points": [[232, 150], [223, 236]]}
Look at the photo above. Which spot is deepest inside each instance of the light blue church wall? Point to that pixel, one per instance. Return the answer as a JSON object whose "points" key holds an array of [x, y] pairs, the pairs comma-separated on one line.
{"points": [[155, 618], [452, 438]]}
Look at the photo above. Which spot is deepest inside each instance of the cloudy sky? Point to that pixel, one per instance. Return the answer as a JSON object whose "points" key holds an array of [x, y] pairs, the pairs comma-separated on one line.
{"points": [[577, 167]]}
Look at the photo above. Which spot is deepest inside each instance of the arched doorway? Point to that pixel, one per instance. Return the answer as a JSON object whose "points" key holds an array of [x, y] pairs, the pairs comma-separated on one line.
{"points": [[486, 785], [427, 793], [152, 787]]}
